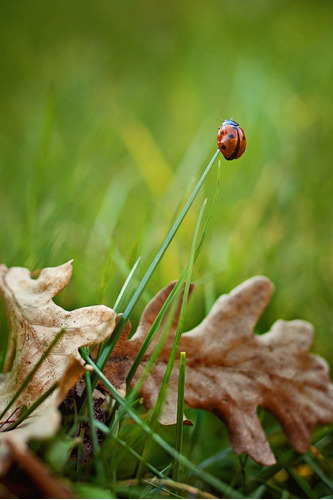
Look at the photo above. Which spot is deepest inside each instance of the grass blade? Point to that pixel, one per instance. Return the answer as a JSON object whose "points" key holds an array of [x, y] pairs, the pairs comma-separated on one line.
{"points": [[163, 389], [318, 470], [180, 414], [125, 285], [307, 490], [155, 326], [210, 213], [119, 298], [121, 324], [104, 353], [156, 352]]}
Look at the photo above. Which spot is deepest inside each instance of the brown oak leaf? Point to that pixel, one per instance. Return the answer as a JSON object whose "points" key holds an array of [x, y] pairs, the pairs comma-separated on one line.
{"points": [[35, 320], [230, 371]]}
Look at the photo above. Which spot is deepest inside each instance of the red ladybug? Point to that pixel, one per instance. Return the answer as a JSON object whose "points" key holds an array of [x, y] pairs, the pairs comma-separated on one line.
{"points": [[231, 140]]}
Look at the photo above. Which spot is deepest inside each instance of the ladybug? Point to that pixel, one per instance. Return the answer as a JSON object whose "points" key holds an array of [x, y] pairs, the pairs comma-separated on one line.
{"points": [[231, 140]]}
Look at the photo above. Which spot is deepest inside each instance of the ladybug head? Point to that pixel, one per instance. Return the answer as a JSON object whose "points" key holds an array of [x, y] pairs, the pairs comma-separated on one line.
{"points": [[230, 122]]}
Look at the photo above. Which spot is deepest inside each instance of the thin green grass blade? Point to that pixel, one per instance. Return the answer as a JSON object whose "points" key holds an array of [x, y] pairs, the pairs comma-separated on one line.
{"points": [[196, 431], [119, 299], [318, 469], [124, 269], [210, 213], [154, 329], [258, 492], [102, 427], [98, 464], [114, 430], [138, 456], [305, 487], [163, 389], [33, 407], [216, 459], [237, 478], [155, 326], [126, 284], [133, 394], [180, 415], [137, 294], [205, 476], [105, 353], [91, 418], [182, 200], [33, 371]]}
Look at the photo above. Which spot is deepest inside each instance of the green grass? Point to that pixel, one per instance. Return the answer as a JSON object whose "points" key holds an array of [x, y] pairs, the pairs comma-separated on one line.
{"points": [[109, 114]]}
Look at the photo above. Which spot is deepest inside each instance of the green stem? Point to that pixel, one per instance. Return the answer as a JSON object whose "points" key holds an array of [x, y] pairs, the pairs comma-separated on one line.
{"points": [[164, 386], [137, 294], [93, 430], [180, 414], [108, 348], [158, 320]]}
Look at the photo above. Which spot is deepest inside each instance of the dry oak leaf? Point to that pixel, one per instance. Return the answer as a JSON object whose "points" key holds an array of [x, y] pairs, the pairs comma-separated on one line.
{"points": [[34, 321], [230, 371]]}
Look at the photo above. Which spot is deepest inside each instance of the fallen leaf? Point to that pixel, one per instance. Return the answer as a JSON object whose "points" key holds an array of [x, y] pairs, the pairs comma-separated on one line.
{"points": [[230, 371], [35, 320]]}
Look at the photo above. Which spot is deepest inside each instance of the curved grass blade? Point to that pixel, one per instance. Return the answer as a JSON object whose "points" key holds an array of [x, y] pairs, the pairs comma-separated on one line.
{"points": [[104, 354], [157, 323], [128, 310], [119, 298], [163, 389], [157, 349]]}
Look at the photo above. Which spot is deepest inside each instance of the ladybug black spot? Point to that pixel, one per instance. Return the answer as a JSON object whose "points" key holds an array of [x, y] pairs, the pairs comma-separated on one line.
{"points": [[231, 136], [224, 146]]}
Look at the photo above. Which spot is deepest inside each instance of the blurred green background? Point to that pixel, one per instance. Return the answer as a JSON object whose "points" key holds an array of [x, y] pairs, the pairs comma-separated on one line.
{"points": [[109, 112]]}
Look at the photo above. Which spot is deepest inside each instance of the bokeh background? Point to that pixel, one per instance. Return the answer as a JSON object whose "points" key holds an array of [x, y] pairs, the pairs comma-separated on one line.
{"points": [[109, 113]]}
